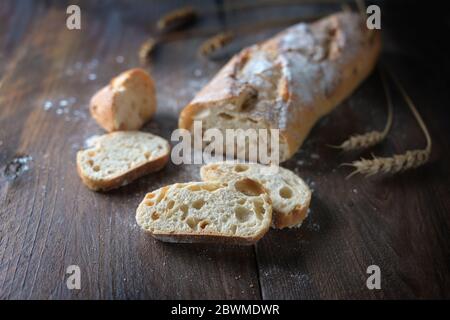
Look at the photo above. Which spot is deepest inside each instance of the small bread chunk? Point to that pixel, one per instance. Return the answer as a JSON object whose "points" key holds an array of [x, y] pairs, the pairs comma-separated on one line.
{"points": [[120, 157], [233, 212], [289, 194], [126, 103]]}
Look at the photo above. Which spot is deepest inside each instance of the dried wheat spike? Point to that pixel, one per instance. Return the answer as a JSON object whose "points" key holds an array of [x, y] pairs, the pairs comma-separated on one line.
{"points": [[397, 163], [400, 162], [362, 141], [215, 43], [176, 19], [369, 139], [146, 49]]}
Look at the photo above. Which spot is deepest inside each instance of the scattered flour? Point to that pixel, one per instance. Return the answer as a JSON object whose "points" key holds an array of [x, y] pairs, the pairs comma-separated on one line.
{"points": [[65, 107], [90, 141]]}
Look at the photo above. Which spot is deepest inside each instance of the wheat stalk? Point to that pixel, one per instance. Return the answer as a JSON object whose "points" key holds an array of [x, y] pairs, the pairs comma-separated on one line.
{"points": [[369, 139], [176, 19], [399, 162]]}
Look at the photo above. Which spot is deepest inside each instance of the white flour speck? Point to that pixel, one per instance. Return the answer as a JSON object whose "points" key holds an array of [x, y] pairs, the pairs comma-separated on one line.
{"points": [[120, 59], [48, 105], [314, 227], [198, 72], [92, 64], [72, 100], [90, 141]]}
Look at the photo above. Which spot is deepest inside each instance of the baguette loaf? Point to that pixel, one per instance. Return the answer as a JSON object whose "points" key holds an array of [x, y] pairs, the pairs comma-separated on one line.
{"points": [[233, 212], [289, 81], [126, 103], [120, 157], [289, 194]]}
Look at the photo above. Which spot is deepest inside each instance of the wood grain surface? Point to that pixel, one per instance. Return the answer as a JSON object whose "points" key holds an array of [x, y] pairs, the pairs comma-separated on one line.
{"points": [[49, 220]]}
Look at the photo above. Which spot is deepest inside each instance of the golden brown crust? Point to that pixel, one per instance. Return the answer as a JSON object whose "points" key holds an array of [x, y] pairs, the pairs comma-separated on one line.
{"points": [[294, 218], [116, 182], [101, 108], [104, 104], [310, 82], [206, 237]]}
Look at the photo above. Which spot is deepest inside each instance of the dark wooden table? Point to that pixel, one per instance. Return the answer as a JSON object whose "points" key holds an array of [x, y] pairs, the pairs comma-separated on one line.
{"points": [[49, 220]]}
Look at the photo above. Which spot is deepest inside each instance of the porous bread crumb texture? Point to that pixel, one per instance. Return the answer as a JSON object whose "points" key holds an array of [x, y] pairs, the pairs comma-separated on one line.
{"points": [[117, 153], [288, 192], [236, 209]]}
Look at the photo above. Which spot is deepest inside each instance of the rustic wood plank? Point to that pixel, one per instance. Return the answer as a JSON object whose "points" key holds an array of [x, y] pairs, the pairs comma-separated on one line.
{"points": [[399, 223], [49, 220]]}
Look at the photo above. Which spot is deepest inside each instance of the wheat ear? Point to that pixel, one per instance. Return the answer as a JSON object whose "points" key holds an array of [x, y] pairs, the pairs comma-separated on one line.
{"points": [[215, 43], [177, 18], [146, 49], [400, 162], [369, 139]]}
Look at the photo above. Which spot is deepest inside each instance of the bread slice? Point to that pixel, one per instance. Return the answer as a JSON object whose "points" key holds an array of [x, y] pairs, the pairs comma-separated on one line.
{"points": [[289, 194], [126, 103], [120, 157], [234, 212]]}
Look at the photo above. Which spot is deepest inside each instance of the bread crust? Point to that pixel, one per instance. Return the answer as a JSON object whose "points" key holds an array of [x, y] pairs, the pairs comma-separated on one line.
{"points": [[121, 180], [307, 89], [102, 108], [104, 104], [207, 237], [294, 218]]}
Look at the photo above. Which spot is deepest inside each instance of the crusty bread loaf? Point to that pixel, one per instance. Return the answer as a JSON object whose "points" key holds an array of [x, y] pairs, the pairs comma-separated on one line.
{"points": [[120, 157], [289, 81], [126, 103], [234, 212], [289, 193]]}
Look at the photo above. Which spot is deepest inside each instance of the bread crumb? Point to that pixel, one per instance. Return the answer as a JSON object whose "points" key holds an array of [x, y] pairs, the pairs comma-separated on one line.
{"points": [[120, 59]]}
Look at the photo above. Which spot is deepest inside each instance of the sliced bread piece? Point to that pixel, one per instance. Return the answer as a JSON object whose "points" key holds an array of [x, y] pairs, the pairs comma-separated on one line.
{"points": [[290, 195], [234, 212], [126, 103], [117, 158]]}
